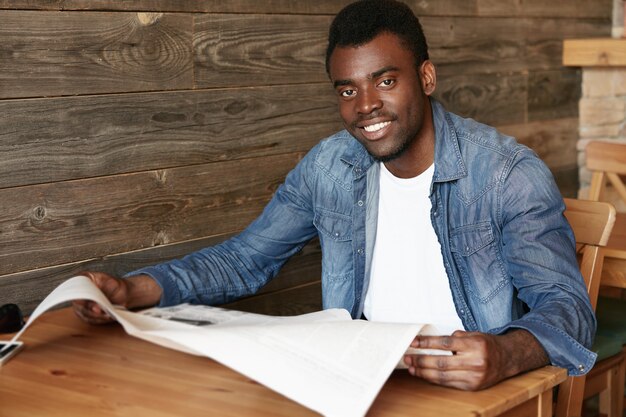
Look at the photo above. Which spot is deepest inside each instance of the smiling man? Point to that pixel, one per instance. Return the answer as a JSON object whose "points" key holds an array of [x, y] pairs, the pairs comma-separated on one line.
{"points": [[423, 216], [385, 109]]}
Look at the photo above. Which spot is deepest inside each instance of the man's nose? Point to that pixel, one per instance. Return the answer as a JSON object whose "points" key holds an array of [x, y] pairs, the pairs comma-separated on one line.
{"points": [[368, 101]]}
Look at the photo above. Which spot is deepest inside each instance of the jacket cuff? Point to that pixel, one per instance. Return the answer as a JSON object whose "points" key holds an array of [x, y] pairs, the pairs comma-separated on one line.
{"points": [[170, 294], [562, 350]]}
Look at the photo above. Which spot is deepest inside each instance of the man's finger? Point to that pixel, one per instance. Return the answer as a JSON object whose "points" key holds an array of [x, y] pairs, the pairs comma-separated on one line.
{"points": [[459, 341], [83, 314], [450, 343], [91, 312], [465, 380], [445, 362], [92, 319]]}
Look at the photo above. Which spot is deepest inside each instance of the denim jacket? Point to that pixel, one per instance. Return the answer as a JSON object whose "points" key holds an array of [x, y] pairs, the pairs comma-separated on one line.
{"points": [[507, 248]]}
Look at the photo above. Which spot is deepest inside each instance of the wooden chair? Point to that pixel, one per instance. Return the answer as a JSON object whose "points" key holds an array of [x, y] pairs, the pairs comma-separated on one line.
{"points": [[607, 162], [592, 223]]}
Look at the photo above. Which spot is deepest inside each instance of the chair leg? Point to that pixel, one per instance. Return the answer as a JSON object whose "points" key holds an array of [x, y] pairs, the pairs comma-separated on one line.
{"points": [[570, 398], [612, 398], [619, 387]]}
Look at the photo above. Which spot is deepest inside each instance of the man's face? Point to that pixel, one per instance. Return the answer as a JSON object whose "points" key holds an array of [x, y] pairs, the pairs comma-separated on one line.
{"points": [[381, 96]]}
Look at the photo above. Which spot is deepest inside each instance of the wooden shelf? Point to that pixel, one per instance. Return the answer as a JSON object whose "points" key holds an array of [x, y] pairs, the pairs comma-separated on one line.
{"points": [[599, 52]]}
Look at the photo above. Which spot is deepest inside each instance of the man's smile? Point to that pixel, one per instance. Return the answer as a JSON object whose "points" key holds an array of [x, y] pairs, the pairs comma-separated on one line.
{"points": [[375, 131], [375, 127]]}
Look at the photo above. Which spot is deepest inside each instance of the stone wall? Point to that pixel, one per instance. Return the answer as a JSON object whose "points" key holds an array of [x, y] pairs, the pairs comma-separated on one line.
{"points": [[602, 114]]}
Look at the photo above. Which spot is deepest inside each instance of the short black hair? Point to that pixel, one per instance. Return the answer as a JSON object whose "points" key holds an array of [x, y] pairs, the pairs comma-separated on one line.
{"points": [[360, 22]]}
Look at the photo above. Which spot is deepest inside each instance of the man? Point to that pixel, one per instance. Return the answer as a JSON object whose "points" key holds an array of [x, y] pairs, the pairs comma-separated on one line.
{"points": [[422, 216]]}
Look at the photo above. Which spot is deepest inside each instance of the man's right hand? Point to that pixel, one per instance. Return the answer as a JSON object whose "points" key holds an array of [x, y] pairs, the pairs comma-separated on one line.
{"points": [[138, 291]]}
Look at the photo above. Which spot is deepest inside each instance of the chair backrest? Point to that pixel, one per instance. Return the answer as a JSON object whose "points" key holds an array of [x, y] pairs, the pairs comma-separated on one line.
{"points": [[592, 222], [606, 160]]}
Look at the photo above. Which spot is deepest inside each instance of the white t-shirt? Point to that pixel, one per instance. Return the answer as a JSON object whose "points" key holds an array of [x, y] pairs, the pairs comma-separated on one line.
{"points": [[408, 282]]}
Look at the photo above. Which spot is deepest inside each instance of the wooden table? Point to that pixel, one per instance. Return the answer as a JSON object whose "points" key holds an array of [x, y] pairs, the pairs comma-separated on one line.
{"points": [[68, 368]]}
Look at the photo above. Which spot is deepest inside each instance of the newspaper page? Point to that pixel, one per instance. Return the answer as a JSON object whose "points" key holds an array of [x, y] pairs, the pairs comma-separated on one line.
{"points": [[324, 360]]}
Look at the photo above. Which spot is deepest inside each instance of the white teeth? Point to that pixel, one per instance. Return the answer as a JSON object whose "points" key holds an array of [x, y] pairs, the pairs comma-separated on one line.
{"points": [[375, 127]]}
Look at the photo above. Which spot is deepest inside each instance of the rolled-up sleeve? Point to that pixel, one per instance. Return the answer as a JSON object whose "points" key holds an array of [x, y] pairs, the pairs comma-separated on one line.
{"points": [[540, 254], [241, 265]]}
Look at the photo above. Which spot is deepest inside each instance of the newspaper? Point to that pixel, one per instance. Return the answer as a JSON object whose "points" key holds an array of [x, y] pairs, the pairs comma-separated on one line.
{"points": [[324, 360]]}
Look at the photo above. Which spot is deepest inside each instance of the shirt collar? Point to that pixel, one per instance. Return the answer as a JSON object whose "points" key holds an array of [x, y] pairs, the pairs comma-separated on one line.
{"points": [[449, 164], [356, 156]]}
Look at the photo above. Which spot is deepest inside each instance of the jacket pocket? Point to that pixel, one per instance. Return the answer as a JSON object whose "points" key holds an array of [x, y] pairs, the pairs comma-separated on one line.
{"points": [[333, 226], [335, 233], [478, 260]]}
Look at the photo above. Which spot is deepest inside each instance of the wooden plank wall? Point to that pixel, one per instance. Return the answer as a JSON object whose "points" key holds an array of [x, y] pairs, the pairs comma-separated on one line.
{"points": [[133, 132]]}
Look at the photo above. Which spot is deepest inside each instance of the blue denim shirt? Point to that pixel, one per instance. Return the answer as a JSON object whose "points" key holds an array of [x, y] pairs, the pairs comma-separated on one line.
{"points": [[507, 248]]}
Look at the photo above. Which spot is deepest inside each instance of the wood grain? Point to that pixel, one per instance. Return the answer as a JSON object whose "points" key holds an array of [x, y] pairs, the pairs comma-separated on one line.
{"points": [[553, 94], [101, 371], [164, 99], [71, 368], [539, 8], [545, 38], [59, 139], [567, 180], [606, 156], [290, 302], [488, 98], [270, 49], [28, 289], [555, 143], [52, 53], [58, 223], [553, 140], [469, 45], [259, 50], [439, 7], [604, 52], [94, 52]]}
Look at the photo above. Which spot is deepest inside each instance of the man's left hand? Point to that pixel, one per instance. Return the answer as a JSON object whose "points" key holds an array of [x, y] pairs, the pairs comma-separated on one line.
{"points": [[478, 360]]}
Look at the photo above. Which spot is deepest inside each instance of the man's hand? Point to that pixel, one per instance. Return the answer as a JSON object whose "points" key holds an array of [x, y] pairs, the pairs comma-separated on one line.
{"points": [[478, 360], [138, 291]]}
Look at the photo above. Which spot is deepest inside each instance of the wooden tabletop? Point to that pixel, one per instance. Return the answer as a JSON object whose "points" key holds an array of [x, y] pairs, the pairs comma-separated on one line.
{"points": [[68, 368]]}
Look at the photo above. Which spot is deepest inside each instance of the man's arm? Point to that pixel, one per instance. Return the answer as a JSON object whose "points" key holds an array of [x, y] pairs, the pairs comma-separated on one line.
{"points": [[132, 292], [218, 274], [539, 251], [479, 360]]}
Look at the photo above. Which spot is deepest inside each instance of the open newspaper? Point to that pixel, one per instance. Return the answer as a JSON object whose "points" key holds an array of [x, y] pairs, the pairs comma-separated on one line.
{"points": [[325, 360]]}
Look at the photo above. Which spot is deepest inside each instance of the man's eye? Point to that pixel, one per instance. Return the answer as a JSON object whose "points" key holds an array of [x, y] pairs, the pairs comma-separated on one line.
{"points": [[347, 93], [386, 83]]}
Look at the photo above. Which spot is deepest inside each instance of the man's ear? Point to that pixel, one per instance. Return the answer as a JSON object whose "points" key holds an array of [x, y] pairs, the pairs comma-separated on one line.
{"points": [[428, 77]]}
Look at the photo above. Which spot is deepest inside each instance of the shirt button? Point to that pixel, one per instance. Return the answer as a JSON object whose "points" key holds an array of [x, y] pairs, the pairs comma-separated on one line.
{"points": [[360, 203], [581, 368], [336, 234], [359, 251], [463, 312], [357, 170]]}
